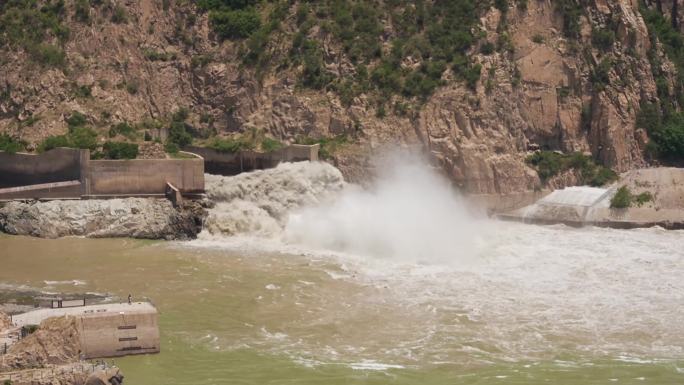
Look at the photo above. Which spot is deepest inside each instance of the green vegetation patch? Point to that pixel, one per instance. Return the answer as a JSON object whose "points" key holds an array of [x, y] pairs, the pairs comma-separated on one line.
{"points": [[231, 24], [571, 12], [153, 55], [663, 122], [232, 19], [329, 146], [624, 198], [230, 145], [179, 131], [35, 26], [270, 145], [120, 150], [643, 198], [252, 139], [79, 135], [432, 36], [123, 129], [10, 144], [603, 38], [549, 164]]}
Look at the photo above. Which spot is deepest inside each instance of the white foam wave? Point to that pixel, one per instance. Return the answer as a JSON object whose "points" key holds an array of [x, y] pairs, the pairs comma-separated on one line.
{"points": [[470, 287], [410, 214]]}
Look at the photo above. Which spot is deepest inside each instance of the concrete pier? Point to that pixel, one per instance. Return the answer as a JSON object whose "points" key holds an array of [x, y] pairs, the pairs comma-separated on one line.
{"points": [[107, 330]]}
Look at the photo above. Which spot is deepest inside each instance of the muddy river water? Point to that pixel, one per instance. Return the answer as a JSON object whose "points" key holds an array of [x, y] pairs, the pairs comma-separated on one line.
{"points": [[530, 305]]}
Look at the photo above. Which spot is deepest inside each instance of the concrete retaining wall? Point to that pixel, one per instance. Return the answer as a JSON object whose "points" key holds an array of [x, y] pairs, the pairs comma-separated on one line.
{"points": [[114, 335], [55, 190], [224, 163], [143, 176], [58, 165], [69, 173]]}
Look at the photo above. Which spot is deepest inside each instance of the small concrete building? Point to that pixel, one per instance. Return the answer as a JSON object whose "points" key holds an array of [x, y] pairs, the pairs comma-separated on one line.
{"points": [[107, 330]]}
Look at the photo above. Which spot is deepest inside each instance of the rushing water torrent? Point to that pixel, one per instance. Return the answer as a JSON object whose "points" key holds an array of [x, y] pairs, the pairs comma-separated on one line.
{"points": [[396, 284]]}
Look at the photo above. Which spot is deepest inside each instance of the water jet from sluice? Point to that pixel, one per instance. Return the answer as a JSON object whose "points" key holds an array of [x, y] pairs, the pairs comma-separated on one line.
{"points": [[409, 212]]}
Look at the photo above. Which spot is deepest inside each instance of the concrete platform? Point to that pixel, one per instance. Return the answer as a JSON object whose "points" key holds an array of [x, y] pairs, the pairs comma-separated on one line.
{"points": [[35, 317], [107, 330]]}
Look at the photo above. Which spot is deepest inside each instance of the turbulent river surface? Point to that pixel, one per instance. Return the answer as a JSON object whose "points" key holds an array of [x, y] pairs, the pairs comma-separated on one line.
{"points": [[318, 282]]}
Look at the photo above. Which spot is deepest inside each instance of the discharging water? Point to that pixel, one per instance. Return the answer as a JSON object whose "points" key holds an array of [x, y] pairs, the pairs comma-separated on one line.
{"points": [[399, 284], [576, 196]]}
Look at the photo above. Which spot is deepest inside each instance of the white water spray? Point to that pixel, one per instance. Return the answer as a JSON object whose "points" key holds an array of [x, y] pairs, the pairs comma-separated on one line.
{"points": [[257, 203], [410, 214]]}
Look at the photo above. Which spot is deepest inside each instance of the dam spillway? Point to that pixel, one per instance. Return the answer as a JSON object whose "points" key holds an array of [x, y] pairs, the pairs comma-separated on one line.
{"points": [[590, 206], [575, 196]]}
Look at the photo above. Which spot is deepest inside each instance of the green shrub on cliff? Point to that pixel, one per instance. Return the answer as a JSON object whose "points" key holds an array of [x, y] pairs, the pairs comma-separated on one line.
{"points": [[570, 11], [622, 198], [47, 55], [550, 163], [433, 35], [124, 129], [53, 142], [603, 38], [179, 135], [79, 135], [27, 23], [269, 144], [120, 150], [231, 24], [119, 15], [76, 119], [230, 145], [666, 132], [83, 137], [663, 122], [643, 198], [10, 145]]}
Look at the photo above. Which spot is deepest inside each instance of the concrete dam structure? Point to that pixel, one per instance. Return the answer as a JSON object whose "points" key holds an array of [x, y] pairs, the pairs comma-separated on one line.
{"points": [[106, 330], [229, 164], [67, 173], [590, 206], [70, 173]]}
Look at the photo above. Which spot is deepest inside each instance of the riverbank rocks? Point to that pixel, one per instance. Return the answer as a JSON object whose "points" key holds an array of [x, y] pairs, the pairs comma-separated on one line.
{"points": [[4, 321], [131, 217]]}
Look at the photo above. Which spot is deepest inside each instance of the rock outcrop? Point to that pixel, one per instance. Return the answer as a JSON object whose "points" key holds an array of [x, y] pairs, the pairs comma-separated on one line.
{"points": [[51, 356], [57, 341], [132, 217]]}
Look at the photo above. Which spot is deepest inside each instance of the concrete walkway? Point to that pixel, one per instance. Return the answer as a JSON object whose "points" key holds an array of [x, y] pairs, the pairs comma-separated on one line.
{"points": [[35, 317]]}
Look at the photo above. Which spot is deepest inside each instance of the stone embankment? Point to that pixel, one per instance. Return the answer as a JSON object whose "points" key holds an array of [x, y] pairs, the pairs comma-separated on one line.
{"points": [[132, 217]]}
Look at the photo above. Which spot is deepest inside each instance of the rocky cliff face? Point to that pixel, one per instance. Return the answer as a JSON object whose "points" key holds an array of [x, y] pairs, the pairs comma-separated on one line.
{"points": [[539, 88]]}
